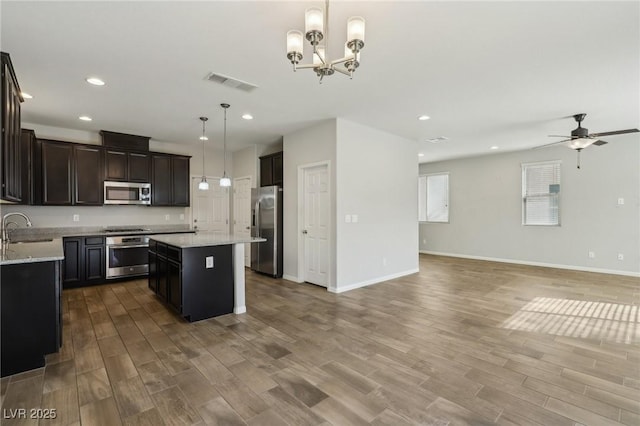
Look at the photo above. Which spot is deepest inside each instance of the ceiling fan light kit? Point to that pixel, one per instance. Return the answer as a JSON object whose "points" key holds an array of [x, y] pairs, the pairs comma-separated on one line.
{"points": [[317, 30], [581, 138]]}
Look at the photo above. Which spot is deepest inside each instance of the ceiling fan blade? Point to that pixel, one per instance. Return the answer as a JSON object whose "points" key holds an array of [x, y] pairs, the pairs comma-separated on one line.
{"points": [[551, 144], [600, 142], [559, 136], [615, 132]]}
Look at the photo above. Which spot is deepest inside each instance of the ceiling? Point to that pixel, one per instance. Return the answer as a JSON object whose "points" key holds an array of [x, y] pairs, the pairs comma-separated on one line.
{"points": [[503, 74]]}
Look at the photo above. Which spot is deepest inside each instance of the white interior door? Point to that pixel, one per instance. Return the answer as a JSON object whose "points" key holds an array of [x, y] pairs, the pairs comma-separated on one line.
{"points": [[242, 212], [315, 227], [210, 208]]}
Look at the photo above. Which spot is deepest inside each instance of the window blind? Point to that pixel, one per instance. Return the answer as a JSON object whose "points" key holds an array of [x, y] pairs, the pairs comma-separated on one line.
{"points": [[541, 193]]}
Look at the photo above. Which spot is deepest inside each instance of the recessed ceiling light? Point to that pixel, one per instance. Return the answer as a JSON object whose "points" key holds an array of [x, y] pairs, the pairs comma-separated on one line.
{"points": [[423, 117], [26, 95], [204, 138], [85, 118], [495, 147], [247, 116], [95, 81], [420, 155]]}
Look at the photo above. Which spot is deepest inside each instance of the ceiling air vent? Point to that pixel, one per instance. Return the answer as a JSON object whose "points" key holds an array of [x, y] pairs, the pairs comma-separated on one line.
{"points": [[438, 139], [231, 82]]}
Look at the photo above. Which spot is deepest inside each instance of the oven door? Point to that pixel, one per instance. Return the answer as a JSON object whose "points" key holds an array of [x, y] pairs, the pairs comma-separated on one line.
{"points": [[125, 260]]}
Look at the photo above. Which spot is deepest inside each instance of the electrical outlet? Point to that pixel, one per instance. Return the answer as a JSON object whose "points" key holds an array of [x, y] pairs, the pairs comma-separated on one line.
{"points": [[209, 262], [620, 256], [76, 218], [354, 218], [620, 201], [384, 261], [347, 218], [592, 255], [166, 217], [424, 241], [181, 216]]}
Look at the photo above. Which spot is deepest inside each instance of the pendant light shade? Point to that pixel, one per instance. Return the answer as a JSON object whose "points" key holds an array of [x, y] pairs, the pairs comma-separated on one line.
{"points": [[225, 181], [203, 185]]}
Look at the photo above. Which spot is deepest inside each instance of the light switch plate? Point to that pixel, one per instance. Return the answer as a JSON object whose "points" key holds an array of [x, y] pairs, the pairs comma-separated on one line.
{"points": [[347, 218], [181, 216], [209, 262], [76, 218], [620, 201], [354, 218]]}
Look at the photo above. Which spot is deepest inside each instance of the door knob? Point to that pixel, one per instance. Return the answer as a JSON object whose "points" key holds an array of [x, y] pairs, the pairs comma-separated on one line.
{"points": [[304, 231], [247, 227]]}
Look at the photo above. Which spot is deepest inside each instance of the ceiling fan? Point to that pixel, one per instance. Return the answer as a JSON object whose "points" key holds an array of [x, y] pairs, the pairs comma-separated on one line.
{"points": [[581, 138]]}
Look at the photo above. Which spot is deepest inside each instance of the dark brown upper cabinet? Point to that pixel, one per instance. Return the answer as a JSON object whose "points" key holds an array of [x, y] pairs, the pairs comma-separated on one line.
{"points": [[11, 164], [57, 173], [72, 174], [271, 170], [88, 161], [127, 166], [170, 180]]}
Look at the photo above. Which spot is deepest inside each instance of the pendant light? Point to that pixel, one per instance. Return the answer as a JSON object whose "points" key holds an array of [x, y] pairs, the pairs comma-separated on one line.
{"points": [[225, 181], [203, 185]]}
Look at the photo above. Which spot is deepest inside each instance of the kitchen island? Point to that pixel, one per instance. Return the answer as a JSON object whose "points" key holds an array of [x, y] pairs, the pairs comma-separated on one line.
{"points": [[30, 298], [199, 275]]}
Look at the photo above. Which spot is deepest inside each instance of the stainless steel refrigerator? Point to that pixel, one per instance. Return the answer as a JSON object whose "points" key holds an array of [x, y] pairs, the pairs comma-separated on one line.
{"points": [[266, 222]]}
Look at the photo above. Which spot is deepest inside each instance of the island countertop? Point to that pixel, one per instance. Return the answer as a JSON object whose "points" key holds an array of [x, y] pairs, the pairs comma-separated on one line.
{"points": [[203, 239], [31, 252]]}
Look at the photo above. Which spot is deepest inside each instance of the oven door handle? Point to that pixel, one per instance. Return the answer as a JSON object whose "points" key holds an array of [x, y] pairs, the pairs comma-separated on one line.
{"points": [[126, 245]]}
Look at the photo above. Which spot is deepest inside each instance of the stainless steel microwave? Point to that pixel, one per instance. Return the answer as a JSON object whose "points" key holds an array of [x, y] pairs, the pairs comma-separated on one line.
{"points": [[127, 193]]}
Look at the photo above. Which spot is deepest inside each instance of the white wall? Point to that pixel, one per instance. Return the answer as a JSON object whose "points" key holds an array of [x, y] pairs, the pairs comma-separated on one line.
{"points": [[245, 163], [377, 178], [52, 216], [486, 209], [312, 145]]}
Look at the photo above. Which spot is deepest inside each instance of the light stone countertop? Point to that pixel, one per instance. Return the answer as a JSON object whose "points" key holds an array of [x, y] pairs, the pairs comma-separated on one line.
{"points": [[203, 239], [31, 252]]}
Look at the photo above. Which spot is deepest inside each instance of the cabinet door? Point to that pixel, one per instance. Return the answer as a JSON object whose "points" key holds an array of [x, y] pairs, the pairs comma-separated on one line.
{"points": [[27, 145], [116, 167], [94, 263], [180, 181], [266, 171], [161, 180], [57, 183], [72, 271], [11, 162], [138, 167], [153, 271], [161, 270], [174, 279], [88, 175], [277, 169]]}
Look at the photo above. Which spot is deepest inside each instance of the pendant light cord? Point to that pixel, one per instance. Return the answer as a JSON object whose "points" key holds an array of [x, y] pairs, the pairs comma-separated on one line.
{"points": [[225, 143]]}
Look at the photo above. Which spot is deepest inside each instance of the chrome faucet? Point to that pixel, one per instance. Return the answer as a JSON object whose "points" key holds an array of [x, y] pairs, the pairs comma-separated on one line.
{"points": [[5, 234]]}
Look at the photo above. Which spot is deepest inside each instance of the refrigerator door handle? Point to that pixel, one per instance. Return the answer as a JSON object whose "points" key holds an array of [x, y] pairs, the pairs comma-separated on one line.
{"points": [[257, 218]]}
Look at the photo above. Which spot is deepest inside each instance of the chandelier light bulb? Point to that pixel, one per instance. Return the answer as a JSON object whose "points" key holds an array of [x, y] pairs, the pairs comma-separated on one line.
{"points": [[203, 185], [225, 182], [355, 28], [294, 41], [313, 20]]}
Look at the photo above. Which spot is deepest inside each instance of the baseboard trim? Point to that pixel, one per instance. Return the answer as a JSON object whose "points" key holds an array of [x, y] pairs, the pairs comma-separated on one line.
{"points": [[240, 310], [373, 281], [530, 263], [291, 278]]}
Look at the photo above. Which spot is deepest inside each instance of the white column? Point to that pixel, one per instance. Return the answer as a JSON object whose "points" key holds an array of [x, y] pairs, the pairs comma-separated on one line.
{"points": [[238, 279]]}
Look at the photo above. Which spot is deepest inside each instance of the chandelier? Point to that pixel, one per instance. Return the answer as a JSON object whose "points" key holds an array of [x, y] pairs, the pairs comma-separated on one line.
{"points": [[317, 30]]}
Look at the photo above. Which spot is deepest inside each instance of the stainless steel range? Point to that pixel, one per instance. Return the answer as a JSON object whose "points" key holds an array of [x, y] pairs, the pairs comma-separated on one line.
{"points": [[127, 255]]}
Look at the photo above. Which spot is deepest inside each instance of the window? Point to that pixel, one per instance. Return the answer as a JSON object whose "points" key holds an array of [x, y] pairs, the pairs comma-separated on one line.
{"points": [[541, 193], [433, 198]]}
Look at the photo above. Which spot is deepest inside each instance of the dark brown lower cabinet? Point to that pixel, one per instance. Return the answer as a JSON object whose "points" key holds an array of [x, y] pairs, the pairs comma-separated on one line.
{"points": [[84, 261], [182, 279], [31, 315]]}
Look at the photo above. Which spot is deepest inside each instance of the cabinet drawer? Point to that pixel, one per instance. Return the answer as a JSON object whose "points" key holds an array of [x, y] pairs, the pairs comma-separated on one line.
{"points": [[174, 253], [93, 241]]}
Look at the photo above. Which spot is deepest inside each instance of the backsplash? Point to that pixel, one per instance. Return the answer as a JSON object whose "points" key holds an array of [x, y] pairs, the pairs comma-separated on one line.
{"points": [[103, 216]]}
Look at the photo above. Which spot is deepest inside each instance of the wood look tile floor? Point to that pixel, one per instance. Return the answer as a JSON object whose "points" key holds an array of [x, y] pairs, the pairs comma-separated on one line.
{"points": [[463, 342]]}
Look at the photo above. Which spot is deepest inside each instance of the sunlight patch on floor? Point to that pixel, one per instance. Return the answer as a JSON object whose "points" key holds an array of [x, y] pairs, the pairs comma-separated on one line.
{"points": [[578, 318]]}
